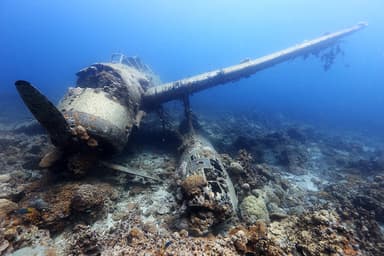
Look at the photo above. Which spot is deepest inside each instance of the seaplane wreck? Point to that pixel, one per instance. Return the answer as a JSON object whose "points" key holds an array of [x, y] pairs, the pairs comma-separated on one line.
{"points": [[95, 119]]}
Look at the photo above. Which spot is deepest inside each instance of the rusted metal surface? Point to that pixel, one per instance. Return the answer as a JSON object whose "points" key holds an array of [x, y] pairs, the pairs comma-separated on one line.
{"points": [[208, 192], [106, 102]]}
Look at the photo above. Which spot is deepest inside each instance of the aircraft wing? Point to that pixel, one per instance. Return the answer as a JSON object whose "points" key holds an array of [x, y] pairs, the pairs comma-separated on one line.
{"points": [[178, 89]]}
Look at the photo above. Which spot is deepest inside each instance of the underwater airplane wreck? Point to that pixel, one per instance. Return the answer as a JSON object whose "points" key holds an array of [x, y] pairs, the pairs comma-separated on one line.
{"points": [[96, 118]]}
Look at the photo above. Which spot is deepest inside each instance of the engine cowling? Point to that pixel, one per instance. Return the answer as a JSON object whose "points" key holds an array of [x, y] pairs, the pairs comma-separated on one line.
{"points": [[104, 107]]}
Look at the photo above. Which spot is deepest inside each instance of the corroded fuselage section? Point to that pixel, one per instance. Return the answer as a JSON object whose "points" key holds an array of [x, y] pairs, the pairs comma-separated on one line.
{"points": [[207, 189], [104, 107]]}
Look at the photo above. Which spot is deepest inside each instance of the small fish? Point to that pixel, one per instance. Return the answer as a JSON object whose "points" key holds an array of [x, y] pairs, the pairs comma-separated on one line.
{"points": [[167, 244], [24, 210]]}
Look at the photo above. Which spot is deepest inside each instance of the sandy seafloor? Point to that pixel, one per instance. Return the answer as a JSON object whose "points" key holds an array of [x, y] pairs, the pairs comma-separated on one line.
{"points": [[302, 191]]}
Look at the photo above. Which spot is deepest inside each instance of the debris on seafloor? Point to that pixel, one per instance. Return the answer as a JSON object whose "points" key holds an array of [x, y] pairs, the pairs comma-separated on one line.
{"points": [[127, 170], [209, 195]]}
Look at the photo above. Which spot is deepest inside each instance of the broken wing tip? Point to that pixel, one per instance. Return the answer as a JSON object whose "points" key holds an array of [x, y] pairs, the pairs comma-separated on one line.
{"points": [[22, 84]]}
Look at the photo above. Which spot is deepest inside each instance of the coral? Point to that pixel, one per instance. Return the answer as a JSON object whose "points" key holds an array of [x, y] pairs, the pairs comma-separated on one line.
{"points": [[4, 178], [200, 222], [245, 158], [4, 244], [315, 233], [35, 250], [253, 208], [135, 233], [344, 217], [84, 242], [253, 240], [58, 198], [87, 198], [193, 185], [265, 170], [57, 206], [18, 236], [170, 243], [361, 204], [240, 240], [275, 212], [30, 215], [235, 167], [6, 206]]}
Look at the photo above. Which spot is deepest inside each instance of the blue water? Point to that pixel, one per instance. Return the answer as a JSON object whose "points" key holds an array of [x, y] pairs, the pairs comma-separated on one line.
{"points": [[47, 42]]}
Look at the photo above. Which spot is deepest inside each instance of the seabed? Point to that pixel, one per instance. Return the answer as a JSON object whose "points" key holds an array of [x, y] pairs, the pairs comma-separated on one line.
{"points": [[302, 191]]}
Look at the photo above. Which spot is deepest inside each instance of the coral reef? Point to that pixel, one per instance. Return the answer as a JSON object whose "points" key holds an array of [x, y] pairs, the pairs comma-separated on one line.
{"points": [[301, 192], [314, 233]]}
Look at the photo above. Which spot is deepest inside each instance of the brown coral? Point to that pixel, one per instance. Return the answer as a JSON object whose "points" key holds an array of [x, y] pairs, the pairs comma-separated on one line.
{"points": [[193, 185], [135, 233], [85, 242], [6, 206], [253, 240], [81, 132]]}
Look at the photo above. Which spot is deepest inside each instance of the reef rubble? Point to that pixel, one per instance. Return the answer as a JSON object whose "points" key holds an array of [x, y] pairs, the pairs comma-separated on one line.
{"points": [[301, 191]]}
